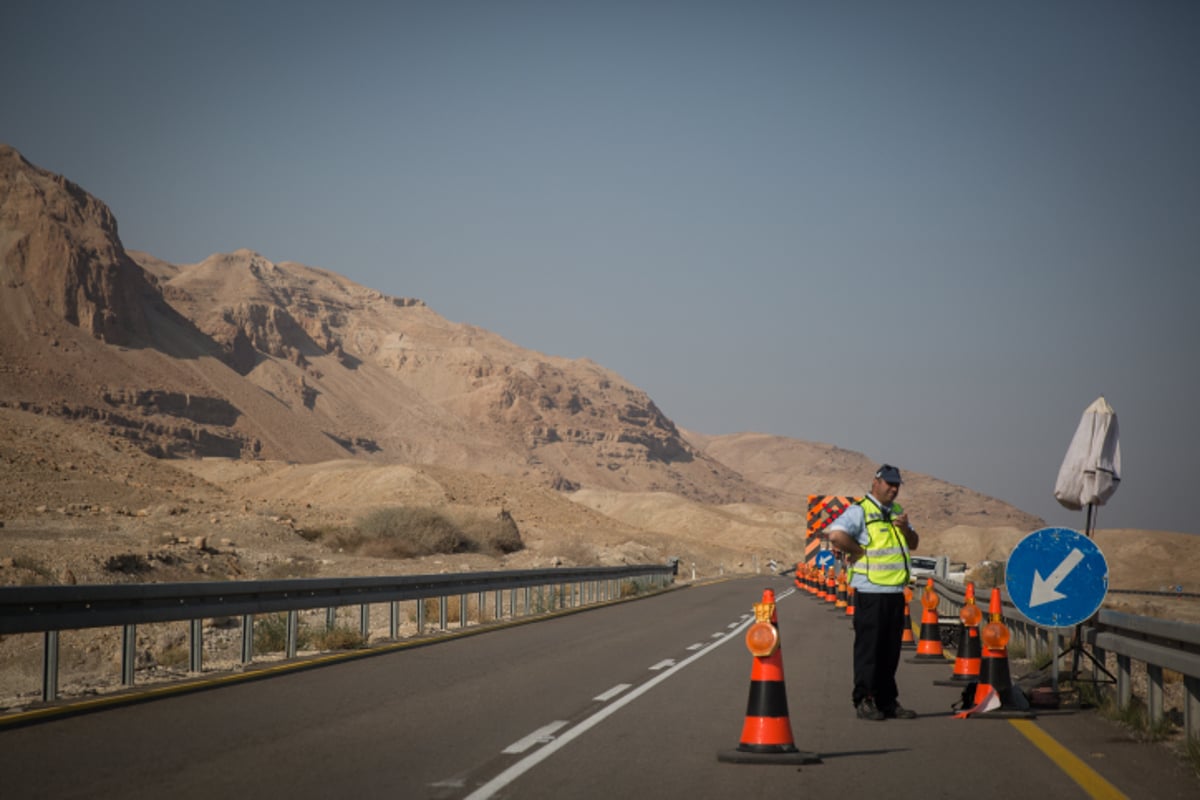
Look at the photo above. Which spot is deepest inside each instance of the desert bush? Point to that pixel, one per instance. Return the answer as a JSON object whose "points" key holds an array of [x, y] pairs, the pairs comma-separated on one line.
{"points": [[498, 535], [175, 655], [338, 638], [409, 532], [270, 634], [403, 532], [127, 563]]}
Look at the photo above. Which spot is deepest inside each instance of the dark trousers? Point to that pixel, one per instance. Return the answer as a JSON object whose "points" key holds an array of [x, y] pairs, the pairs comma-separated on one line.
{"points": [[878, 627]]}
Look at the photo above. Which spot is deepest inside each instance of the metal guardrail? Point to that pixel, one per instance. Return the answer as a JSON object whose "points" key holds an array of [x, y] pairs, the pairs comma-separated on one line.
{"points": [[1158, 644], [51, 609]]}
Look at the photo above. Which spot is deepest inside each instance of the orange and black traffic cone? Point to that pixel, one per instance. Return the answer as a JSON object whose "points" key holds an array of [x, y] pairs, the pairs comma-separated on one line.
{"points": [[830, 585], [995, 695], [967, 659], [929, 645], [907, 641], [841, 591], [767, 731], [799, 575], [849, 600]]}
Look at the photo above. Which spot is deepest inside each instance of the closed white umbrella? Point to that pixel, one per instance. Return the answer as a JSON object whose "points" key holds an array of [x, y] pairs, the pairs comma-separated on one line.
{"points": [[1089, 475], [1091, 471]]}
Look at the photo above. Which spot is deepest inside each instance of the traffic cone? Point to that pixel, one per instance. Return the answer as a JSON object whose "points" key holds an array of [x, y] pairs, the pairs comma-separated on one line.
{"points": [[969, 654], [767, 731], [995, 695], [799, 575], [830, 585], [929, 645], [849, 601], [906, 637], [841, 591]]}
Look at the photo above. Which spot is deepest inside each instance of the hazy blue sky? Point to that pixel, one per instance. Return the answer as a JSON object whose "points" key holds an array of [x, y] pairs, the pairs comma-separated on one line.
{"points": [[929, 232]]}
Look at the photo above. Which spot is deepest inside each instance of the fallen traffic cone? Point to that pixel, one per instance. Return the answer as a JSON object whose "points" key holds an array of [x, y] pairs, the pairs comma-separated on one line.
{"points": [[767, 732], [995, 695], [929, 645], [906, 638], [967, 659]]}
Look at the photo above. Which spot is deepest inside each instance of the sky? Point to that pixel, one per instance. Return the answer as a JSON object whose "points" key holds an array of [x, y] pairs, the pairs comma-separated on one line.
{"points": [[930, 232]]}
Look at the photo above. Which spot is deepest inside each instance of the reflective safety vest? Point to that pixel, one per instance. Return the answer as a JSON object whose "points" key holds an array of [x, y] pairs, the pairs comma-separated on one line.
{"points": [[886, 561]]}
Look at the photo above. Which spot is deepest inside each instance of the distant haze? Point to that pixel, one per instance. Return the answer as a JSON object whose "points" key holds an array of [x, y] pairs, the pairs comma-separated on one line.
{"points": [[929, 232]]}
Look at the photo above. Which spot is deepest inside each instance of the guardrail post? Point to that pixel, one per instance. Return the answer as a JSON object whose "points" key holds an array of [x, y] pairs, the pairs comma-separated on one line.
{"points": [[482, 605], [1191, 707], [50, 667], [394, 619], [196, 650], [462, 611], [1101, 658], [364, 621], [331, 618], [499, 604], [420, 616], [512, 603], [1154, 693], [247, 638], [128, 653], [1124, 681], [293, 632], [443, 613]]}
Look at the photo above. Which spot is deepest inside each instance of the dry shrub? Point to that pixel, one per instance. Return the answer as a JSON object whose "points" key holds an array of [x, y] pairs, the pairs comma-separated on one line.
{"points": [[409, 532], [338, 638]]}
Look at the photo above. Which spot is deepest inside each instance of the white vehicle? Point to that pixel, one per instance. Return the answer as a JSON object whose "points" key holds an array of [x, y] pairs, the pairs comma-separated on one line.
{"points": [[927, 567]]}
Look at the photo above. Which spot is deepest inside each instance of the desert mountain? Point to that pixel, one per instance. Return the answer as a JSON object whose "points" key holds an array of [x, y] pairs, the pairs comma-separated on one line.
{"points": [[320, 395]]}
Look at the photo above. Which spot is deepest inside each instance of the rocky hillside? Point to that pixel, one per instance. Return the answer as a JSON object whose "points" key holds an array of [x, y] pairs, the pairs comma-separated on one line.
{"points": [[266, 363]]}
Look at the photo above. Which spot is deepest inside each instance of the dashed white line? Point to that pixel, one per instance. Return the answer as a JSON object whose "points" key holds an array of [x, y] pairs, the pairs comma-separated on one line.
{"points": [[613, 692], [527, 763], [542, 735], [695, 646], [666, 662]]}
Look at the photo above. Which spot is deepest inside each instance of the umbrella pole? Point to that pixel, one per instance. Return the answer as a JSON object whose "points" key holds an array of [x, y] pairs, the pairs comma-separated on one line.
{"points": [[1076, 648]]}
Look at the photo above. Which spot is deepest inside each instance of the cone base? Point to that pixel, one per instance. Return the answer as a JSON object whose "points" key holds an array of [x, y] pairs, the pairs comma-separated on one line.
{"points": [[792, 756], [956, 681], [925, 658]]}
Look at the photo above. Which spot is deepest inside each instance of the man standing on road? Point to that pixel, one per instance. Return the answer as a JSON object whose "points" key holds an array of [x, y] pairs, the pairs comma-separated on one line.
{"points": [[876, 537]]}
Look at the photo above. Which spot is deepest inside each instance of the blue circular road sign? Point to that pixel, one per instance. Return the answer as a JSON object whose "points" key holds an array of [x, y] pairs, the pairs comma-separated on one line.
{"points": [[1056, 577], [825, 558]]}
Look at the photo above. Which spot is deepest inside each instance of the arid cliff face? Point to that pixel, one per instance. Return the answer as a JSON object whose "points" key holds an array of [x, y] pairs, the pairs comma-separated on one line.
{"points": [[240, 357]]}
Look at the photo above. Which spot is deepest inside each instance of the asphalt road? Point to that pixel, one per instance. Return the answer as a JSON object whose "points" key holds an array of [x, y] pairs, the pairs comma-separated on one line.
{"points": [[630, 700]]}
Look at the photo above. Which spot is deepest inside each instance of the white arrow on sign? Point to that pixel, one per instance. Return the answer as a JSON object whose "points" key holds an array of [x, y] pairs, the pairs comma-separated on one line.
{"points": [[1045, 590]]}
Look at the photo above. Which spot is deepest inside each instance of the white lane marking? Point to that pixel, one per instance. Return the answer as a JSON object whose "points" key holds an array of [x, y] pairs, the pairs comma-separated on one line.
{"points": [[530, 761], [613, 692], [666, 662], [695, 646], [733, 625], [719, 634], [542, 735]]}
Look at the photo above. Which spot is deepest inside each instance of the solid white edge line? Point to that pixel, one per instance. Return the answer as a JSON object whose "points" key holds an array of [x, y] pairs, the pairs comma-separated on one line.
{"points": [[533, 759], [613, 692]]}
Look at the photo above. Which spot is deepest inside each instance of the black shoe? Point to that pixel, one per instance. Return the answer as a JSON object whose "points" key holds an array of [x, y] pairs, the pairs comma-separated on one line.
{"points": [[867, 710], [899, 712]]}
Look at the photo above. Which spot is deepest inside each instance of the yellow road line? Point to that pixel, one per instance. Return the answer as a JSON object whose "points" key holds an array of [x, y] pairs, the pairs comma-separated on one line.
{"points": [[1087, 778]]}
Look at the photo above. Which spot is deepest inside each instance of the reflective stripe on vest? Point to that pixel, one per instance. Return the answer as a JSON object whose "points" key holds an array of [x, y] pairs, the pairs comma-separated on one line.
{"points": [[885, 561]]}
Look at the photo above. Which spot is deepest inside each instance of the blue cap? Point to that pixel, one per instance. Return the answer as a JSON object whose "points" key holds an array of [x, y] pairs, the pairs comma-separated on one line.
{"points": [[889, 474]]}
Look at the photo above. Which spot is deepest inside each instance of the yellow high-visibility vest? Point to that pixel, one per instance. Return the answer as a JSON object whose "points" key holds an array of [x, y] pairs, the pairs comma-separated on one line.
{"points": [[886, 561]]}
